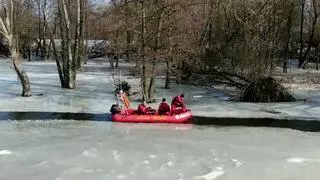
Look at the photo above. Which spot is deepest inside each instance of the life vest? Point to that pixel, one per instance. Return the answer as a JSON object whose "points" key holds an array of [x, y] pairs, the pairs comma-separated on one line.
{"points": [[163, 108], [124, 98]]}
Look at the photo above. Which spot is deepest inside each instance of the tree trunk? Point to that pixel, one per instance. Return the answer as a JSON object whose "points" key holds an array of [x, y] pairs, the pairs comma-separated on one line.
{"points": [[62, 68], [29, 46], [289, 27], [56, 56], [285, 59], [168, 79], [168, 63], [58, 63], [39, 28], [111, 61], [85, 49], [71, 66], [318, 56], [77, 36], [43, 37], [143, 51], [22, 75], [69, 53], [115, 49], [179, 75], [128, 33], [86, 33], [73, 57], [81, 47], [303, 3], [117, 60], [151, 88]]}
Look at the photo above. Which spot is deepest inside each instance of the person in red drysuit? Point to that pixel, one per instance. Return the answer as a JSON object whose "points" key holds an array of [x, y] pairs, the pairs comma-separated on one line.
{"points": [[177, 102], [144, 110], [164, 108]]}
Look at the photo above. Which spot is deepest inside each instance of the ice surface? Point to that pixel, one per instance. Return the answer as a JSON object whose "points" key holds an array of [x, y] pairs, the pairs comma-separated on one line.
{"points": [[66, 150], [69, 150], [95, 86]]}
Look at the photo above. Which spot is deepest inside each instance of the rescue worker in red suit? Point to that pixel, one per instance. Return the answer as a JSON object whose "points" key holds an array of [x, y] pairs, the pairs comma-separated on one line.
{"points": [[164, 108], [144, 110], [177, 102]]}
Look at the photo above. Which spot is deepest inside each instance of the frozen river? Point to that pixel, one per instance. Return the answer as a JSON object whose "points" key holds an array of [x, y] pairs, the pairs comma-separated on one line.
{"points": [[67, 150]]}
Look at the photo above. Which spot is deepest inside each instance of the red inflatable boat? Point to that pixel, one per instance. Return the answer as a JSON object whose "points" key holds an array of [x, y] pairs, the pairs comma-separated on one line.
{"points": [[130, 116]]}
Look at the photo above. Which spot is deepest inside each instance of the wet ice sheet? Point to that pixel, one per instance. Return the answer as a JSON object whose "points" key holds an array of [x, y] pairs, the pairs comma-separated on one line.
{"points": [[68, 150], [94, 94]]}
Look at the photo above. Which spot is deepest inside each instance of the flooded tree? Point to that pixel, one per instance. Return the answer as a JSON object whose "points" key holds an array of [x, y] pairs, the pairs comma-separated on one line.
{"points": [[289, 34], [8, 28], [69, 53], [266, 89], [42, 47], [143, 41]]}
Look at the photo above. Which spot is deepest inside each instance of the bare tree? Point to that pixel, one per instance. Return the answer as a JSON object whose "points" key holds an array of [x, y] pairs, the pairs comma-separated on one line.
{"points": [[10, 32], [42, 6], [67, 56], [235, 41], [313, 27], [143, 51]]}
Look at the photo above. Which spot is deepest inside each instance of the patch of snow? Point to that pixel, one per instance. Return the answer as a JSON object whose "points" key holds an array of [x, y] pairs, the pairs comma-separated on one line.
{"points": [[167, 164], [116, 156], [5, 152], [236, 163], [225, 98], [183, 128], [180, 175], [210, 176], [146, 162], [152, 156], [197, 97], [40, 164], [89, 153], [99, 170], [296, 160], [88, 170], [301, 160], [121, 176], [170, 163]]}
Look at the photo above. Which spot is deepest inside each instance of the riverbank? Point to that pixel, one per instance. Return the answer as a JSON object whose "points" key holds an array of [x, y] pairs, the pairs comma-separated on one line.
{"points": [[95, 86]]}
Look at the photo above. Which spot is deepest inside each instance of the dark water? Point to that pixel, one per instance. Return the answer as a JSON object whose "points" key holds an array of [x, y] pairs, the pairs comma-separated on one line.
{"points": [[298, 124], [54, 116]]}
